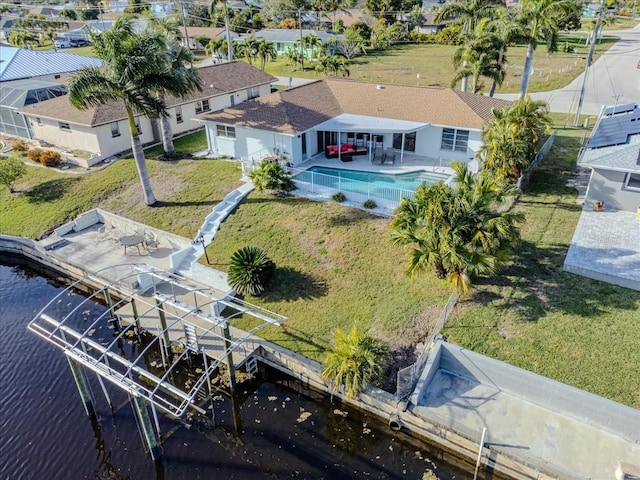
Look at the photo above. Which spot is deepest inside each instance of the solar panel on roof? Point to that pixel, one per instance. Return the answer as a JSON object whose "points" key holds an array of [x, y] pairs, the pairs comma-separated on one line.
{"points": [[615, 127]]}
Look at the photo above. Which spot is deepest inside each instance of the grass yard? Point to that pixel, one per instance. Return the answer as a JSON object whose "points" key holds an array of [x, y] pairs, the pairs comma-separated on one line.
{"points": [[572, 329], [186, 190]]}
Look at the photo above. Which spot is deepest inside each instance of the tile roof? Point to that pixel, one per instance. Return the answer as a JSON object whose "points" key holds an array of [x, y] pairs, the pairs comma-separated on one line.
{"points": [[24, 63], [217, 80], [298, 109]]}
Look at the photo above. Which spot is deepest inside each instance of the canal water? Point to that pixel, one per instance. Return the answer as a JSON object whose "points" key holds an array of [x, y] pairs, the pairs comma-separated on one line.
{"points": [[274, 429]]}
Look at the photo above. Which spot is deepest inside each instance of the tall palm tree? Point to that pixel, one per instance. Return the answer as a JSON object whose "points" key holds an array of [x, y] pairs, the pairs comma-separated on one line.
{"points": [[213, 8], [266, 52], [478, 56], [457, 232], [468, 13], [539, 18], [187, 78], [215, 46], [134, 68], [530, 121]]}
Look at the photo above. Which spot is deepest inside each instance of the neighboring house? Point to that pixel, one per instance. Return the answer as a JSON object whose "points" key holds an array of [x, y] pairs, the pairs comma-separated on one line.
{"points": [[301, 122], [6, 26], [19, 93], [285, 40], [197, 32], [103, 131], [48, 66], [613, 155], [429, 25], [349, 17]]}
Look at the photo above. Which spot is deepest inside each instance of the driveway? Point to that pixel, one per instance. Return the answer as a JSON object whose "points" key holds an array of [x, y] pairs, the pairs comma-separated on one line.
{"points": [[613, 78]]}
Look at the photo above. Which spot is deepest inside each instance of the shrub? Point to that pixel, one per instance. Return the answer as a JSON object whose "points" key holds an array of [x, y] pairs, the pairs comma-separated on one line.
{"points": [[20, 146], [34, 154], [250, 271], [369, 203], [338, 197], [271, 176], [354, 361], [50, 158], [11, 169]]}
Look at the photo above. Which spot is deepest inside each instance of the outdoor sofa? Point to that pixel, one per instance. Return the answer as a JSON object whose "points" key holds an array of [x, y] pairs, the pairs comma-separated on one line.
{"points": [[346, 149]]}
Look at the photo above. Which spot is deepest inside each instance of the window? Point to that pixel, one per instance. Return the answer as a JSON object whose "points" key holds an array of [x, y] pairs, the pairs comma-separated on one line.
{"points": [[179, 114], [138, 128], [632, 182], [56, 77], [225, 131], [253, 92], [202, 106], [409, 141], [454, 140], [115, 130], [64, 126]]}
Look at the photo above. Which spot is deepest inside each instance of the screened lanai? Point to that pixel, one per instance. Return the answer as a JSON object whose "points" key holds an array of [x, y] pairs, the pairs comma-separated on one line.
{"points": [[19, 93]]}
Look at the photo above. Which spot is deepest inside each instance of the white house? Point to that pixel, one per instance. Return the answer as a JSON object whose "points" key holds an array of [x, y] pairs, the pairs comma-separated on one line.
{"points": [[103, 131], [303, 122], [46, 66], [613, 154]]}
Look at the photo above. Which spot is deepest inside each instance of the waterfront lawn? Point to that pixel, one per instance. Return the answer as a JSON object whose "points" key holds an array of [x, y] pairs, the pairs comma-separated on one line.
{"points": [[533, 315], [187, 190], [335, 267]]}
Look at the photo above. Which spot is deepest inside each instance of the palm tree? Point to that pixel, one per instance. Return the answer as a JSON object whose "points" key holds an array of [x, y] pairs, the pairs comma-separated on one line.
{"points": [[22, 38], [250, 47], [187, 78], [213, 7], [135, 67], [530, 121], [468, 13], [215, 46], [539, 18], [333, 65], [250, 271], [310, 42], [265, 51], [458, 232], [355, 361], [478, 56]]}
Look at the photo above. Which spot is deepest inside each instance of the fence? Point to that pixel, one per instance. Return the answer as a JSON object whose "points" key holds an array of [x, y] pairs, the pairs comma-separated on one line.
{"points": [[408, 377], [542, 153]]}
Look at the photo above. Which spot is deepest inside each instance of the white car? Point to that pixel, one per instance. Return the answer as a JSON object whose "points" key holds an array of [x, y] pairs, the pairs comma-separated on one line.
{"points": [[62, 43]]}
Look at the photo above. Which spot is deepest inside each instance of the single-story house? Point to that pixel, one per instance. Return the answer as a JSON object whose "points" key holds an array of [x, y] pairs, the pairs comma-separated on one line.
{"points": [[429, 25], [303, 122], [103, 131], [18, 93], [613, 155], [349, 16], [208, 32], [46, 66], [284, 40]]}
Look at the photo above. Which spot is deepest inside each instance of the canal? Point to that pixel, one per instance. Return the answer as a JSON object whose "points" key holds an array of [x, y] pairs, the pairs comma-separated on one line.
{"points": [[274, 427]]}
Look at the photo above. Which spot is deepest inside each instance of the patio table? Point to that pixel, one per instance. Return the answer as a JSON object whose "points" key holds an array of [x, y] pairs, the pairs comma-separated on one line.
{"points": [[132, 241]]}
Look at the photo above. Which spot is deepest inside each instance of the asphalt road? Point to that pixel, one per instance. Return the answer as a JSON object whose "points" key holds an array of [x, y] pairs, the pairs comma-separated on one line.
{"points": [[613, 79]]}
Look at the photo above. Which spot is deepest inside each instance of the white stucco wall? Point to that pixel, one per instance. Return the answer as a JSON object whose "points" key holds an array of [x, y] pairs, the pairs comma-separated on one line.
{"points": [[249, 143], [606, 186], [428, 143]]}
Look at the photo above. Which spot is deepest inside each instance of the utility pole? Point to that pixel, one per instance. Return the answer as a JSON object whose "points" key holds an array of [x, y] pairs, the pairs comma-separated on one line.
{"points": [[226, 26], [592, 47], [184, 22], [301, 39]]}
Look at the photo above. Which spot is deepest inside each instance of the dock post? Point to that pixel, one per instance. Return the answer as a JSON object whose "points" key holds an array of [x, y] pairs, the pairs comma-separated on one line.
{"points": [[107, 298], [83, 386], [227, 345], [163, 325], [147, 428]]}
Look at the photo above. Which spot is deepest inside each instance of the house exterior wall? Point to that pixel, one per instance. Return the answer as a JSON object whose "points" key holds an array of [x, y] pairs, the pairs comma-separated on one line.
{"points": [[606, 186], [97, 141], [249, 143]]}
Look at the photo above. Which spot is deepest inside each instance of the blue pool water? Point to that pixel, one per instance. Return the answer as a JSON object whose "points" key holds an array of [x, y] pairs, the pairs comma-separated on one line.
{"points": [[382, 185]]}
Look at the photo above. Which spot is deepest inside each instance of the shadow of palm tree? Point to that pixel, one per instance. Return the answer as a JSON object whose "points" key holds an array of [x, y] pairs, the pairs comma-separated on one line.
{"points": [[289, 284], [49, 191]]}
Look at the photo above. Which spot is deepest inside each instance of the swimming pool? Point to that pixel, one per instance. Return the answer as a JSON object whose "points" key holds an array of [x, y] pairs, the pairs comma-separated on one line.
{"points": [[386, 186]]}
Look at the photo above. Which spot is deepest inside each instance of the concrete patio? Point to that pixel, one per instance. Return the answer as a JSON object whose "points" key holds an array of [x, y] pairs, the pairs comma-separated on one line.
{"points": [[606, 247]]}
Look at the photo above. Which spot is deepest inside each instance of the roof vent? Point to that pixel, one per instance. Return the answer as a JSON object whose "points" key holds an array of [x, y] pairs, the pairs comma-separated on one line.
{"points": [[379, 87]]}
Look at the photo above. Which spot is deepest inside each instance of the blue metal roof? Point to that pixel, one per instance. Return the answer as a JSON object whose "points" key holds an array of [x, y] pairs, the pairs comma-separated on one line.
{"points": [[18, 63]]}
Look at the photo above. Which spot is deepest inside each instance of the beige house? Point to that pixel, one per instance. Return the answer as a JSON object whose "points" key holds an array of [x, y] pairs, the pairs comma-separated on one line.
{"points": [[102, 132]]}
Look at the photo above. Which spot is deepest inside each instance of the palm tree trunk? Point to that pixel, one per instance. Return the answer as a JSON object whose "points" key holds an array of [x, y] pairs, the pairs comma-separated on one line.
{"points": [[465, 80], [494, 84], [167, 134], [138, 155], [528, 63]]}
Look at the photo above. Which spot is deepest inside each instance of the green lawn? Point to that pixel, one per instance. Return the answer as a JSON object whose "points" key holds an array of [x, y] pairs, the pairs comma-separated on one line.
{"points": [[575, 330]]}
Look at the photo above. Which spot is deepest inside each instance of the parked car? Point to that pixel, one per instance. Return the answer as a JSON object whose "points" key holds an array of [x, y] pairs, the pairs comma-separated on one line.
{"points": [[62, 43], [79, 42]]}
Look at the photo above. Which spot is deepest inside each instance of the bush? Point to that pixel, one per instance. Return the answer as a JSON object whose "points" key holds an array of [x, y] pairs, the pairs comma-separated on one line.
{"points": [[11, 169], [369, 203], [250, 271], [34, 154], [20, 146], [271, 176], [50, 158], [338, 197]]}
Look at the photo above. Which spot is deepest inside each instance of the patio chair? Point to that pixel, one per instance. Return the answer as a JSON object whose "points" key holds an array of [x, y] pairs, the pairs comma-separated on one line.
{"points": [[151, 241], [389, 156], [378, 156]]}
